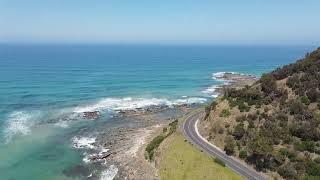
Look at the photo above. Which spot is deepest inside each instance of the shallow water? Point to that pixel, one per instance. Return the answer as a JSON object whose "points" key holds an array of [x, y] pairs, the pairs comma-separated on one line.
{"points": [[44, 90]]}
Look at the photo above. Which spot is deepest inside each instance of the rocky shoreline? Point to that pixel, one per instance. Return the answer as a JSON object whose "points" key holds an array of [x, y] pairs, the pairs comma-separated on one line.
{"points": [[231, 80], [121, 148], [129, 140]]}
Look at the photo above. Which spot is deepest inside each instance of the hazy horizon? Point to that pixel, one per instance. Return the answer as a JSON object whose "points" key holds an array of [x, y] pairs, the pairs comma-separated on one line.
{"points": [[166, 22]]}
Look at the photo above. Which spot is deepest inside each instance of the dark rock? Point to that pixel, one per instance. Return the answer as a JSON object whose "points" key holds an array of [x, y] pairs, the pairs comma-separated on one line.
{"points": [[91, 115]]}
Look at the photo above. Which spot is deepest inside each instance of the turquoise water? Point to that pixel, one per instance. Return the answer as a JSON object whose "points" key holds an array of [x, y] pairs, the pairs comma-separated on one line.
{"points": [[45, 88]]}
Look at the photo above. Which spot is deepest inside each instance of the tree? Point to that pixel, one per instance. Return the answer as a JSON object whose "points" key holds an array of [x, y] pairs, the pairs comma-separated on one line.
{"points": [[229, 145], [239, 131], [288, 172], [296, 107], [243, 154], [260, 150], [268, 83], [313, 95]]}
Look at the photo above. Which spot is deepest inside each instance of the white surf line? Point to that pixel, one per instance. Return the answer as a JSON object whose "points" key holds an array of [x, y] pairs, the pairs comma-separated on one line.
{"points": [[204, 139]]}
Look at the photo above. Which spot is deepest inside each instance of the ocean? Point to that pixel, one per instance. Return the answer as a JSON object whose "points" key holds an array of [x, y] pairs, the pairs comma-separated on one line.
{"points": [[45, 88]]}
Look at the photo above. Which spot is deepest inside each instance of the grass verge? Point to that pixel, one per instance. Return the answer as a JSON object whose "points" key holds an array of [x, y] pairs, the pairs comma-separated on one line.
{"points": [[180, 160], [155, 143]]}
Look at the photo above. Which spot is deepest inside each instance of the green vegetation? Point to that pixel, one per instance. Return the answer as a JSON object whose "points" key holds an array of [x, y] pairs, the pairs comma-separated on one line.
{"points": [[278, 128], [220, 162], [225, 113], [229, 145], [155, 143], [183, 161], [209, 108], [243, 154]]}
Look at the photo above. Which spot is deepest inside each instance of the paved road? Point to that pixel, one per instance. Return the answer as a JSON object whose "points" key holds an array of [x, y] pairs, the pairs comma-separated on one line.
{"points": [[192, 134]]}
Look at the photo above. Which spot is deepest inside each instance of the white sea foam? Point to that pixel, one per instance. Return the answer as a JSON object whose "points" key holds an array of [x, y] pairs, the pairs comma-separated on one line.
{"points": [[19, 123], [114, 104], [210, 89], [193, 100], [84, 142], [62, 124], [110, 173], [87, 157], [215, 95]]}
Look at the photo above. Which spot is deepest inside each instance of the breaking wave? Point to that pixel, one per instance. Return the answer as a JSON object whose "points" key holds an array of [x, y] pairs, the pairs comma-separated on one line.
{"points": [[19, 123], [222, 79], [84, 142], [116, 104]]}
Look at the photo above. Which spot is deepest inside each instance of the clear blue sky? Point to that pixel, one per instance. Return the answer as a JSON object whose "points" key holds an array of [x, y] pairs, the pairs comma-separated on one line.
{"points": [[161, 21]]}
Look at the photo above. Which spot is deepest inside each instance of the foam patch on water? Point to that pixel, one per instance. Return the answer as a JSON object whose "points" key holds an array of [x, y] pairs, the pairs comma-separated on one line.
{"points": [[62, 124], [110, 173], [116, 104], [84, 142], [87, 158], [19, 123]]}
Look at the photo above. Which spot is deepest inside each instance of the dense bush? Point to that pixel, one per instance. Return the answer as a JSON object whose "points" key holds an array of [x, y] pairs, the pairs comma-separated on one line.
{"points": [[243, 154], [229, 145], [239, 131], [284, 116], [296, 107], [155, 143], [288, 172], [305, 146], [268, 83]]}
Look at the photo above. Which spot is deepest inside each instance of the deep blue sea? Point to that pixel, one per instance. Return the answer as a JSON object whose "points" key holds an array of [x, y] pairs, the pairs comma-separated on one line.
{"points": [[42, 87]]}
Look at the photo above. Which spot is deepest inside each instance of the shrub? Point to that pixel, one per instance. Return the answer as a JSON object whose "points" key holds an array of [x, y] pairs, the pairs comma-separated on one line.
{"points": [[220, 162], [284, 152], [225, 113], [172, 127], [243, 154], [313, 95], [220, 130], [268, 83], [229, 145], [296, 107], [207, 112], [164, 130], [305, 100], [305, 146], [288, 172], [239, 131], [317, 160], [155, 143], [243, 107], [313, 168]]}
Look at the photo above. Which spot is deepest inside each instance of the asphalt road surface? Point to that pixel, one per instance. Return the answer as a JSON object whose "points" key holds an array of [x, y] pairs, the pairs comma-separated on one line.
{"points": [[191, 132]]}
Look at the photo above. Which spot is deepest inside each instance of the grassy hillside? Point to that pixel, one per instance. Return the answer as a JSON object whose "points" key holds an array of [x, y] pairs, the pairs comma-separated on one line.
{"points": [[273, 124], [183, 161]]}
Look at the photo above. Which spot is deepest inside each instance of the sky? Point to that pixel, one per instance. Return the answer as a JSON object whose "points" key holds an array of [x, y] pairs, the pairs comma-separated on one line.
{"points": [[160, 21]]}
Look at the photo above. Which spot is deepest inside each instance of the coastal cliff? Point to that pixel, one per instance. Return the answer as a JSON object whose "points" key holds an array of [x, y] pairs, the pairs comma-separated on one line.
{"points": [[273, 124]]}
